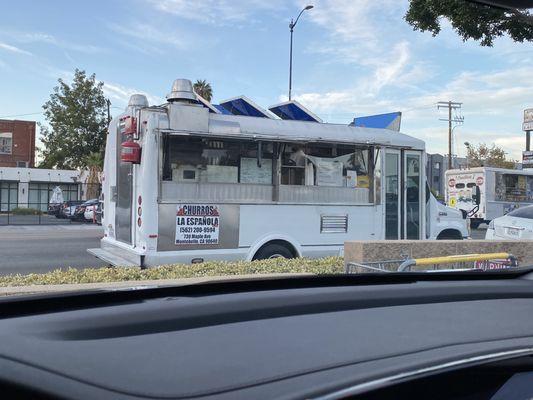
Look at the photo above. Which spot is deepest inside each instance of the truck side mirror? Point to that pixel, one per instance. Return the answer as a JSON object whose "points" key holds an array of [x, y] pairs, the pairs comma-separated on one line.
{"points": [[477, 196]]}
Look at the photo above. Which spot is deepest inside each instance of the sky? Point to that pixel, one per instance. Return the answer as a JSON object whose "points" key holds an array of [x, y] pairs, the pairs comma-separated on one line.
{"points": [[351, 58]]}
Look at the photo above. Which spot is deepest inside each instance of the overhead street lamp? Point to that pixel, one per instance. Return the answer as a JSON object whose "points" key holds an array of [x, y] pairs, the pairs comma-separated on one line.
{"points": [[467, 145], [291, 27]]}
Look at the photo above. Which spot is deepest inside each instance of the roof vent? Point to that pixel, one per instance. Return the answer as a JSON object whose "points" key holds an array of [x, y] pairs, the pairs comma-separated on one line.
{"points": [[182, 91], [138, 100]]}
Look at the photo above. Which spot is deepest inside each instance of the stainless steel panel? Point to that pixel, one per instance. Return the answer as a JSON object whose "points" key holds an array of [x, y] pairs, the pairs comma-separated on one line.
{"points": [[188, 117], [124, 196], [321, 194], [227, 192], [333, 223], [228, 233]]}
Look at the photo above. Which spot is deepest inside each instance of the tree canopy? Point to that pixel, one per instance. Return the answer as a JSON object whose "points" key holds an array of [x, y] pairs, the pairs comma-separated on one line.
{"points": [[76, 116], [484, 156], [203, 88], [470, 20]]}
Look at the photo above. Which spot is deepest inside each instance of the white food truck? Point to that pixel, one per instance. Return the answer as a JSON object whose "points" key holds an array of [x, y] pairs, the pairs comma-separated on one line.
{"points": [[190, 181], [502, 190]]}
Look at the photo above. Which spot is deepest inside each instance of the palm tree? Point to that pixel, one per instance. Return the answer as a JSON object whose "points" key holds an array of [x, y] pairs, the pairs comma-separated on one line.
{"points": [[94, 163], [203, 88]]}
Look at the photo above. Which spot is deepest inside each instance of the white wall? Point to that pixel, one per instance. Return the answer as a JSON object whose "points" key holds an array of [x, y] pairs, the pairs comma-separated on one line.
{"points": [[25, 175]]}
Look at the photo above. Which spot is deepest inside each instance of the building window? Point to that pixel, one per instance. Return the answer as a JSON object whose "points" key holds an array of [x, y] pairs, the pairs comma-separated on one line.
{"points": [[8, 195], [6, 142], [39, 194], [437, 165]]}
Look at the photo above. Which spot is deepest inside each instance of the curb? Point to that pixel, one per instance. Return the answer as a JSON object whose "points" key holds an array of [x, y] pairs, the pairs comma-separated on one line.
{"points": [[125, 285]]}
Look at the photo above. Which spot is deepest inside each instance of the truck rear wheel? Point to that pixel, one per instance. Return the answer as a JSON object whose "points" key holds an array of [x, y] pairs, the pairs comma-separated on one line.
{"points": [[273, 250]]}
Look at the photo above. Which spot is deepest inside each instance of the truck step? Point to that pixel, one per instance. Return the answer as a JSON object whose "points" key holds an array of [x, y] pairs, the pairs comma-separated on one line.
{"points": [[111, 258]]}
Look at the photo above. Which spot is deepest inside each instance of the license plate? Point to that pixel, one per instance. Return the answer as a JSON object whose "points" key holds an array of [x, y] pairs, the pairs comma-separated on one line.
{"points": [[513, 232]]}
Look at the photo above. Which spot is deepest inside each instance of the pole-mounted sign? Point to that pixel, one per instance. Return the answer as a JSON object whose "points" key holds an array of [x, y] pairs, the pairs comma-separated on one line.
{"points": [[528, 120]]}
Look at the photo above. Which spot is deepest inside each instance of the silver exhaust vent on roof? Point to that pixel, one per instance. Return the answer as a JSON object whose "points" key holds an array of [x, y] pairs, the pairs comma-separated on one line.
{"points": [[182, 91], [138, 100]]}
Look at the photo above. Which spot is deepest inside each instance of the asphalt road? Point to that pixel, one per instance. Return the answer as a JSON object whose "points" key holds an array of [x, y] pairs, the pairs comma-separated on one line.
{"points": [[40, 248], [479, 233]]}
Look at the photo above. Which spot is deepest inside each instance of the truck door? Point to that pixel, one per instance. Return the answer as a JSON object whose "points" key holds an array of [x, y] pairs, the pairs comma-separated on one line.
{"points": [[392, 194], [124, 194], [404, 195], [413, 199]]}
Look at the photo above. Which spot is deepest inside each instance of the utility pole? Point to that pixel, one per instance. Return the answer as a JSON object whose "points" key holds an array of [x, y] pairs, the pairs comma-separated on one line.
{"points": [[108, 111], [450, 105]]}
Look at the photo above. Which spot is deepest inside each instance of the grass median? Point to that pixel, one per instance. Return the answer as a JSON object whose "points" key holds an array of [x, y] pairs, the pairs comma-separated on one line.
{"points": [[328, 265]]}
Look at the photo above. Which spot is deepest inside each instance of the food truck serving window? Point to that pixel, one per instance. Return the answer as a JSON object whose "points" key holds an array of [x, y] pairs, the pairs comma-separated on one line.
{"points": [[202, 160], [304, 172], [324, 165], [513, 187]]}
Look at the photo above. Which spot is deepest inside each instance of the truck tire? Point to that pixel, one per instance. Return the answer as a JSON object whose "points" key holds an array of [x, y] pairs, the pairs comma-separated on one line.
{"points": [[273, 250], [450, 234], [474, 223]]}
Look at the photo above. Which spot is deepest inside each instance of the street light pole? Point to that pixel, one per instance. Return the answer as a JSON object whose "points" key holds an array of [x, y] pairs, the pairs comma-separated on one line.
{"points": [[291, 27]]}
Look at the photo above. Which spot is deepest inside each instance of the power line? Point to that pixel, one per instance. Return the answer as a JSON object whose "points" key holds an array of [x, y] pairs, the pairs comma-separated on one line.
{"points": [[20, 115]]}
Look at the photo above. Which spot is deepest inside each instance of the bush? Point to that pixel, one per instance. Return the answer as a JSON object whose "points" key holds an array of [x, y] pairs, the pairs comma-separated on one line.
{"points": [[25, 211], [329, 265]]}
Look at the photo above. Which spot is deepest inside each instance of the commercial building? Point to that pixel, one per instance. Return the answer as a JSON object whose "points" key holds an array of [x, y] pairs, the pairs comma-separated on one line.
{"points": [[32, 187], [17, 143]]}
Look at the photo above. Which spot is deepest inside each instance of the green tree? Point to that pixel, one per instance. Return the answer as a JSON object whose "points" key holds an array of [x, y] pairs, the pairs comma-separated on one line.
{"points": [[76, 117], [203, 88], [484, 156], [470, 20]]}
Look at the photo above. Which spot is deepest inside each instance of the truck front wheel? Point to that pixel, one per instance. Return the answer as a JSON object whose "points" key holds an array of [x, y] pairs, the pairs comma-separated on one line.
{"points": [[450, 234]]}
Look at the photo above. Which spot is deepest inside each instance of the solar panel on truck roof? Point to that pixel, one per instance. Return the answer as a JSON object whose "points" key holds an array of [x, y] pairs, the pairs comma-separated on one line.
{"points": [[242, 105], [293, 110], [383, 121], [221, 109]]}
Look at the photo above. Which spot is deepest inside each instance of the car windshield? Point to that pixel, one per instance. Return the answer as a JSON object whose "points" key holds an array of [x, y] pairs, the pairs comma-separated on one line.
{"points": [[152, 140], [525, 212]]}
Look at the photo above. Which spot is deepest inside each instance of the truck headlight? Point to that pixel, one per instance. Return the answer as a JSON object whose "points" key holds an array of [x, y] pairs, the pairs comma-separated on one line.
{"points": [[491, 224]]}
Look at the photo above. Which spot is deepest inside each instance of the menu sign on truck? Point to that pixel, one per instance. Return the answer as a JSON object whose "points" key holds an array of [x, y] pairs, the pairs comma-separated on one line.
{"points": [[197, 224]]}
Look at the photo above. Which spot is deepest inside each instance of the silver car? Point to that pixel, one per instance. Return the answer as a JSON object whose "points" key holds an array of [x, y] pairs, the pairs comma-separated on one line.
{"points": [[518, 224]]}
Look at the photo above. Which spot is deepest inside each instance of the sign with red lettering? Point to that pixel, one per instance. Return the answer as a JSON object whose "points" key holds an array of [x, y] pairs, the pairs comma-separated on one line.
{"points": [[490, 265], [197, 224]]}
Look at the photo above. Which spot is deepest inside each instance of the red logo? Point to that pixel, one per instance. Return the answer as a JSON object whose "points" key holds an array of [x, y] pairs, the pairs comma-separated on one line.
{"points": [[479, 181], [451, 182]]}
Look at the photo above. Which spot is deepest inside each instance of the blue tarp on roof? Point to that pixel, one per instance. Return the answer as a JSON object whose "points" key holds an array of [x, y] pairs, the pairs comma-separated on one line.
{"points": [[292, 110], [243, 106], [382, 121]]}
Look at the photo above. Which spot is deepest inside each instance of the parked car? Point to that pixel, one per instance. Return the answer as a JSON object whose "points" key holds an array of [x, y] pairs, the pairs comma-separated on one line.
{"points": [[518, 224], [89, 209], [53, 209], [68, 208]]}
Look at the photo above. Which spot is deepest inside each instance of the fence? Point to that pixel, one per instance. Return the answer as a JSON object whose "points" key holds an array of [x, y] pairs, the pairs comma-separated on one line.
{"points": [[35, 210]]}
